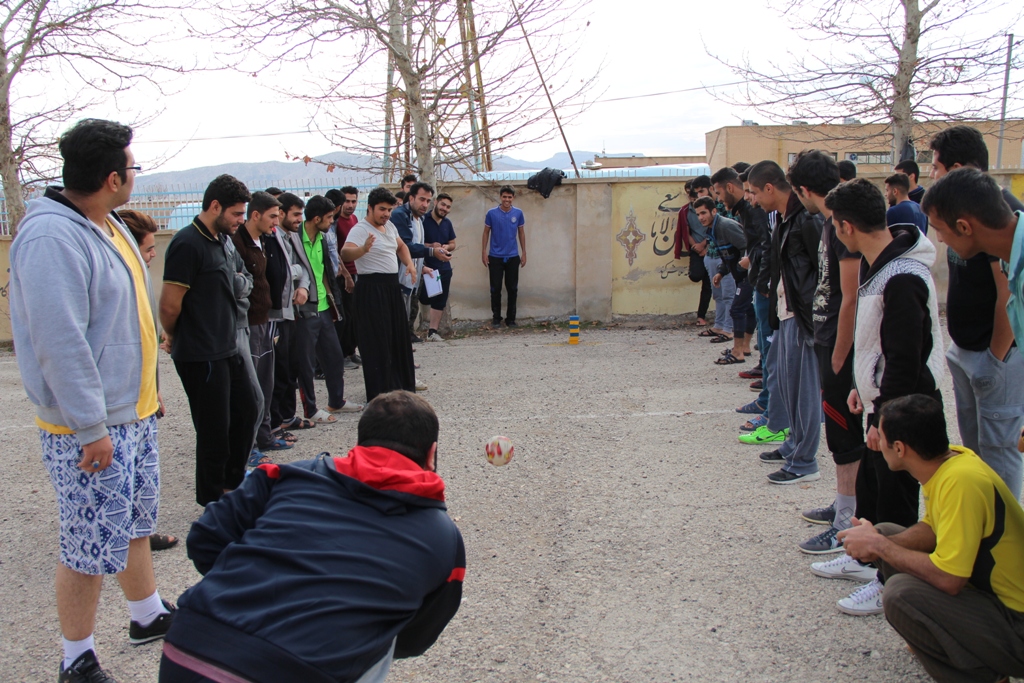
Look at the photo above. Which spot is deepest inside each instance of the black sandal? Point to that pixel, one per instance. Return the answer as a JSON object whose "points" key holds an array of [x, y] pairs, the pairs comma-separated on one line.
{"points": [[162, 541], [720, 339], [729, 359]]}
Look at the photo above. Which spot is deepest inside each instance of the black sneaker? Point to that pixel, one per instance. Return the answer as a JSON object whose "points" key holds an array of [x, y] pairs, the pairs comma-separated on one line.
{"points": [[825, 515], [784, 477], [414, 339], [138, 634], [85, 669], [511, 323], [496, 322], [757, 385], [771, 457]]}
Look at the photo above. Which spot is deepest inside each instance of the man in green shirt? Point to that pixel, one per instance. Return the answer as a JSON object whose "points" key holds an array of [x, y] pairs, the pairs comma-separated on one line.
{"points": [[316, 342]]}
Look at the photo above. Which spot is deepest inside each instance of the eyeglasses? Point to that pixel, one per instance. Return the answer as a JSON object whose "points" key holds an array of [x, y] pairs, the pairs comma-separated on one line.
{"points": [[137, 169]]}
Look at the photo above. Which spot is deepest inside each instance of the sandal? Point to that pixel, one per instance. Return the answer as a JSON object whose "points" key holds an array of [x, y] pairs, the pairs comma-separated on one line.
{"points": [[256, 459], [298, 423], [288, 436], [162, 541], [729, 359], [752, 408], [322, 417], [754, 423], [707, 333], [277, 445], [720, 339]]}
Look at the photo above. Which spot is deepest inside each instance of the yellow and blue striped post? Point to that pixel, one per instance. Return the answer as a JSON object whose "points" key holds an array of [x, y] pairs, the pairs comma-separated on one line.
{"points": [[574, 329]]}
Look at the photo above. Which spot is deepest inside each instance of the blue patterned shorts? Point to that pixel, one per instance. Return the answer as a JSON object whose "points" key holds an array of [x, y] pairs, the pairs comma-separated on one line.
{"points": [[100, 512]]}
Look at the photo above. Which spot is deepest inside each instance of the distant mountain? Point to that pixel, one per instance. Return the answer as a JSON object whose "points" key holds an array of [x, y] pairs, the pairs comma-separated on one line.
{"points": [[295, 174]]}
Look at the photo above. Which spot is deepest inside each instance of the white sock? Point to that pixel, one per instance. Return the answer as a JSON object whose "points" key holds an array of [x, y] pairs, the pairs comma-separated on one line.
{"points": [[846, 506], [147, 610], [73, 649]]}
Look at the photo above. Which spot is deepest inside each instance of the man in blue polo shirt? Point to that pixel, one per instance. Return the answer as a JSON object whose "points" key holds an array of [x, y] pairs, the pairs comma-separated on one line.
{"points": [[902, 209], [501, 253]]}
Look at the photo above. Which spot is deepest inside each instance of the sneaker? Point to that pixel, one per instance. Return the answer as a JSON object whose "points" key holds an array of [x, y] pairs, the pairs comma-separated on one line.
{"points": [[138, 634], [826, 515], [356, 358], [783, 477], [85, 669], [756, 373], [346, 407], [845, 567], [822, 544], [496, 323], [763, 435], [863, 601], [511, 323], [350, 365], [421, 385], [434, 337], [771, 457], [757, 385]]}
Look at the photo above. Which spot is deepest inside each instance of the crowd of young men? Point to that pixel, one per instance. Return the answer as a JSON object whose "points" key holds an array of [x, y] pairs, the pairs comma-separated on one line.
{"points": [[852, 322]]}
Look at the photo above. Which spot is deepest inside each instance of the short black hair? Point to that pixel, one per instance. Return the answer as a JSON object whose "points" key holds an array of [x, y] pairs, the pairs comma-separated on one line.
{"points": [[859, 203], [725, 175], [317, 207], [261, 202], [899, 180], [740, 166], [707, 202], [744, 176], [688, 189], [909, 167], [918, 421], [701, 182], [961, 145], [92, 149], [348, 189], [289, 200], [400, 421], [227, 190], [274, 191], [507, 189], [409, 178], [400, 196], [335, 196], [380, 195], [419, 187], [765, 173], [815, 170], [847, 170], [967, 191], [444, 195]]}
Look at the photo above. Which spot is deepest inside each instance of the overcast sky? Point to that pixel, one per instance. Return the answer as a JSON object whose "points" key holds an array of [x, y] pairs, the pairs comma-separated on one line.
{"points": [[646, 46]]}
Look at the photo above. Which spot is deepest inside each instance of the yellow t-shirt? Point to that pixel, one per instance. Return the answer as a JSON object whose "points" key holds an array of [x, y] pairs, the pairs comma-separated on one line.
{"points": [[979, 527], [148, 403]]}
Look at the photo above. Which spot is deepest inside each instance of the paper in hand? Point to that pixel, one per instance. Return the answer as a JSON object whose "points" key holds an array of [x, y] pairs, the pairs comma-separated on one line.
{"points": [[432, 281]]}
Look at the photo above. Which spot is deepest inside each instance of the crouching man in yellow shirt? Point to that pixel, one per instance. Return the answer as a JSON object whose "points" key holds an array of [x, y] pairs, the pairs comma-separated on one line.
{"points": [[954, 584]]}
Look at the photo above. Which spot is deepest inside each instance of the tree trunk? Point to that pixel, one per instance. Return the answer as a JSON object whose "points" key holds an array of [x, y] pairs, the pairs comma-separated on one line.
{"points": [[405, 62], [901, 112], [14, 199]]}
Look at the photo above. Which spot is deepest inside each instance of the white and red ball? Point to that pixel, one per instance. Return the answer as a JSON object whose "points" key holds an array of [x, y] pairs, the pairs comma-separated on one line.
{"points": [[499, 450]]}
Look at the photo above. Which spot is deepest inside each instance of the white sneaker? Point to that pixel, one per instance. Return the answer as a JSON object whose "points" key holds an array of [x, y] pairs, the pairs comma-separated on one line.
{"points": [[865, 600], [845, 567], [421, 386], [434, 337]]}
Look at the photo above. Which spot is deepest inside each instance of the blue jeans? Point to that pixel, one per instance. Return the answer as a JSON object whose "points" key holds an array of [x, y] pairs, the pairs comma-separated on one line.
{"points": [[723, 295]]}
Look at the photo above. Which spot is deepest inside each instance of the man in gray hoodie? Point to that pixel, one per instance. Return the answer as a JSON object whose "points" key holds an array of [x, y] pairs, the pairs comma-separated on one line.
{"points": [[82, 316]]}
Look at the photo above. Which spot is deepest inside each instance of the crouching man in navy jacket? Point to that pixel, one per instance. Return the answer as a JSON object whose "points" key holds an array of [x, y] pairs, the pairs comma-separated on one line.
{"points": [[324, 570]]}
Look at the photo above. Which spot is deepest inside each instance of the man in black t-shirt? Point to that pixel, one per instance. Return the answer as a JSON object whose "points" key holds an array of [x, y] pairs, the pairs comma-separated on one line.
{"points": [[986, 366], [198, 315], [913, 172]]}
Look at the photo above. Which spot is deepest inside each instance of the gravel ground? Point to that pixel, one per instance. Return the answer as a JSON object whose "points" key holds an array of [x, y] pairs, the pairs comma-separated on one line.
{"points": [[632, 538]]}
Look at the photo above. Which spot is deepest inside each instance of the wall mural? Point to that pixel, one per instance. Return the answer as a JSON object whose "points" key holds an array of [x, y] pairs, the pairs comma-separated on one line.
{"points": [[629, 237]]}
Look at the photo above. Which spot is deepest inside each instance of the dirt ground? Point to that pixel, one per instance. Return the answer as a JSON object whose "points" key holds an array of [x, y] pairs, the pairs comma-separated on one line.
{"points": [[631, 539]]}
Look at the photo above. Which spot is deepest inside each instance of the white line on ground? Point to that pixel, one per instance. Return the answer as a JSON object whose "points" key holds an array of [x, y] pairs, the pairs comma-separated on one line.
{"points": [[593, 416]]}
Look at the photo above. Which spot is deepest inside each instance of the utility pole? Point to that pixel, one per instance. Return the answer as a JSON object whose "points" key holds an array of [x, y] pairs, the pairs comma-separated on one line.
{"points": [[1006, 91]]}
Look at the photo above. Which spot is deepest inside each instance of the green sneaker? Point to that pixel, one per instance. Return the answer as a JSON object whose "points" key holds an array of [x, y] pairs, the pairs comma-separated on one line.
{"points": [[763, 435]]}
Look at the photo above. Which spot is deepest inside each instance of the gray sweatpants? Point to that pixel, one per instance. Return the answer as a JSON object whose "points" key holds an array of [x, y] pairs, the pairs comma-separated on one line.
{"points": [[799, 392], [723, 295], [261, 349], [990, 408], [242, 344], [963, 638]]}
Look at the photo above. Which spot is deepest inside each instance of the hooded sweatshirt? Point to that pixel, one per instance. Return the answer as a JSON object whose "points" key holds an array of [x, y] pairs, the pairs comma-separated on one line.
{"points": [[897, 342], [312, 569]]}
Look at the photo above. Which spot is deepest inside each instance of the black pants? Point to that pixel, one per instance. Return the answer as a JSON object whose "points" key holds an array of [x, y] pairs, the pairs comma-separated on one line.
{"points": [[347, 327], [844, 432], [282, 407], [742, 310], [383, 330], [224, 414], [316, 341], [884, 495], [698, 273], [506, 269]]}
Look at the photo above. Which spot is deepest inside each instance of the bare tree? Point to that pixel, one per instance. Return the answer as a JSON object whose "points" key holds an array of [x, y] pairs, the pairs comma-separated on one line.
{"points": [[893, 62], [420, 85], [58, 58]]}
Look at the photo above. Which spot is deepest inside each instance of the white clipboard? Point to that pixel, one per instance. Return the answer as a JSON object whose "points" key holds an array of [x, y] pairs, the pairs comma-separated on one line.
{"points": [[432, 283]]}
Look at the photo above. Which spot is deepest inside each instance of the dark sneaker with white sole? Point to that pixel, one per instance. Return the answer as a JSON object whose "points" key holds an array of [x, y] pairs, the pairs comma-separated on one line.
{"points": [[771, 457], [85, 669], [783, 477], [823, 544], [825, 515], [139, 634]]}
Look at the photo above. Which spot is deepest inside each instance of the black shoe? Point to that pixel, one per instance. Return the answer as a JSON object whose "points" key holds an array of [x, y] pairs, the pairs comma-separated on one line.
{"points": [[319, 375], [414, 339], [355, 358], [772, 457], [138, 634], [511, 323], [496, 322], [85, 669], [785, 477]]}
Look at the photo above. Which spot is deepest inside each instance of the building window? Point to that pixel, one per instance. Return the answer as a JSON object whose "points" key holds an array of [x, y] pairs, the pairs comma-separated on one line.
{"points": [[870, 157]]}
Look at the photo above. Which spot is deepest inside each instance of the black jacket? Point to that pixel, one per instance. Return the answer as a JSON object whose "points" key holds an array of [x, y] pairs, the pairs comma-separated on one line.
{"points": [[311, 569], [795, 262], [545, 181], [755, 226]]}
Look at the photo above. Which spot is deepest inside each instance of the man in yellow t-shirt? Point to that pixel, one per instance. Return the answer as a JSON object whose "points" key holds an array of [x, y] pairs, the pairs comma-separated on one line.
{"points": [[954, 584]]}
